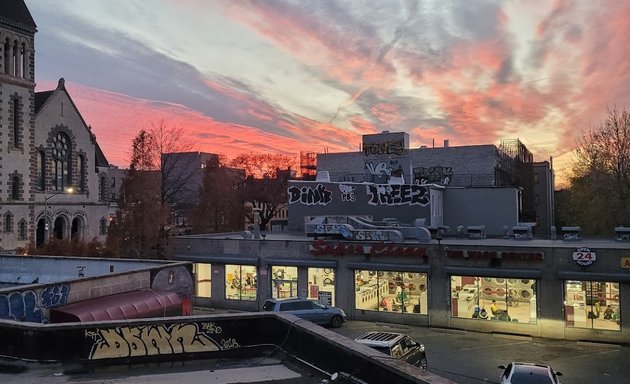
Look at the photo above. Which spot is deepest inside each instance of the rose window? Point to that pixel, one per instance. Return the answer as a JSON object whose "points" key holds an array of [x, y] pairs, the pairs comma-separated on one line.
{"points": [[60, 146]]}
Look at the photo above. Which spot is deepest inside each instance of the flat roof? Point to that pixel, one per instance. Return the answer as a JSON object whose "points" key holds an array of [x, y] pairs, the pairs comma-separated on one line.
{"points": [[488, 241]]}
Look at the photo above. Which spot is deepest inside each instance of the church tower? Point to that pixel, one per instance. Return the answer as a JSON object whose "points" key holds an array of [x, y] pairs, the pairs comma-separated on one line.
{"points": [[17, 123]]}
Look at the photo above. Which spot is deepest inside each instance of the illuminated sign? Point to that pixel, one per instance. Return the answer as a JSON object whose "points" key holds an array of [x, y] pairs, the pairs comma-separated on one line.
{"points": [[584, 256]]}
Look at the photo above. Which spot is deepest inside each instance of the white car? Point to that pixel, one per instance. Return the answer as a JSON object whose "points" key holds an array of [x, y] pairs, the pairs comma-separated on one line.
{"points": [[528, 373]]}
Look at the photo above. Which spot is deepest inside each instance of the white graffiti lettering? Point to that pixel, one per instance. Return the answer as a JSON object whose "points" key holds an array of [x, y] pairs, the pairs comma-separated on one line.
{"points": [[347, 192], [310, 196], [402, 194]]}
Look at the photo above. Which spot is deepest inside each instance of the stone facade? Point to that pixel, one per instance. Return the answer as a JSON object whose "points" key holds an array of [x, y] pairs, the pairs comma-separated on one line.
{"points": [[47, 151]]}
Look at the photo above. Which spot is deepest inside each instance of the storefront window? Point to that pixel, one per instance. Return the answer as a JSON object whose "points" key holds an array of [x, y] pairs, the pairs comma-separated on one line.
{"points": [[203, 277], [391, 291], [321, 285], [241, 282], [490, 298], [592, 304], [284, 282]]}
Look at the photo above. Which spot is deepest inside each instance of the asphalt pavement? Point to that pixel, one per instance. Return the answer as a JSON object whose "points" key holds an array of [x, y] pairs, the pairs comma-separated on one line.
{"points": [[471, 357]]}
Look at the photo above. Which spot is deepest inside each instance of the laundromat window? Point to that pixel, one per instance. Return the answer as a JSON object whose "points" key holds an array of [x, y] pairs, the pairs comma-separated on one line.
{"points": [[321, 285], [389, 291], [241, 282], [592, 304], [203, 281], [494, 298], [284, 282]]}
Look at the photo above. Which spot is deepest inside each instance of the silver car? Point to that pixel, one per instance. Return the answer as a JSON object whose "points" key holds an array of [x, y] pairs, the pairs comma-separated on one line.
{"points": [[307, 309]]}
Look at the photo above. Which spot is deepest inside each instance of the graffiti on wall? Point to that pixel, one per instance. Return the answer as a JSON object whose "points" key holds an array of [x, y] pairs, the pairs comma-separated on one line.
{"points": [[156, 339], [392, 147], [21, 306], [370, 235], [401, 194], [327, 229], [55, 295], [318, 195], [347, 192], [174, 279], [378, 169], [441, 175]]}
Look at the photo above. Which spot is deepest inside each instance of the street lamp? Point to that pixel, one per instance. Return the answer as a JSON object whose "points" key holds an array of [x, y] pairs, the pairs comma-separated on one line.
{"points": [[47, 197]]}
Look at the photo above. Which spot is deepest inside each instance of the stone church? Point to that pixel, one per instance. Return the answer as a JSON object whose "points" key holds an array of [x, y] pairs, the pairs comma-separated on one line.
{"points": [[53, 175]]}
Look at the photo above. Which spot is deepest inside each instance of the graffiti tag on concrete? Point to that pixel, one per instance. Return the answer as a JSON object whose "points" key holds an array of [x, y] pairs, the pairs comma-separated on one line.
{"points": [[442, 175], [347, 192], [55, 295], [21, 306], [397, 194], [393, 147], [318, 195], [157, 339]]}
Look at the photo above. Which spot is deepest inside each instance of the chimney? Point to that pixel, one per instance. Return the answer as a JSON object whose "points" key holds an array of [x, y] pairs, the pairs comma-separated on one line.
{"points": [[445, 143]]}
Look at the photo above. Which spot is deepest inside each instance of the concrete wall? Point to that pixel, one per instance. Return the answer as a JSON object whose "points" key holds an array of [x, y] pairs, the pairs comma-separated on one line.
{"points": [[492, 207], [229, 335]]}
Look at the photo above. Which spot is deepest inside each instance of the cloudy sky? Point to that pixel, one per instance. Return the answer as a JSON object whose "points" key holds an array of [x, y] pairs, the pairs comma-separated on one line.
{"points": [[291, 76]]}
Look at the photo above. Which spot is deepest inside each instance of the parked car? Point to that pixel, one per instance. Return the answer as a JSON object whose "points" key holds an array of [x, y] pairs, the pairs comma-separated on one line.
{"points": [[397, 345], [529, 373], [307, 309]]}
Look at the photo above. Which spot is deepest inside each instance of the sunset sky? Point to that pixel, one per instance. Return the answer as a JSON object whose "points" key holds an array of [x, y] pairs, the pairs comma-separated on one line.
{"points": [[291, 76]]}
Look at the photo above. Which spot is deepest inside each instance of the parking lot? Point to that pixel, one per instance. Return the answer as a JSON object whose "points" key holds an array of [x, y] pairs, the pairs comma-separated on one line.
{"points": [[471, 357]]}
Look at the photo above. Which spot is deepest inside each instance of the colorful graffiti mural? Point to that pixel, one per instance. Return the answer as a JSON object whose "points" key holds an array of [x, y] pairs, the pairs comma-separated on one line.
{"points": [[157, 339]]}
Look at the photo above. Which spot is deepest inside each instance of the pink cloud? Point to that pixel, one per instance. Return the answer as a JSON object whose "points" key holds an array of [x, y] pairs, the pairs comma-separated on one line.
{"points": [[115, 127]]}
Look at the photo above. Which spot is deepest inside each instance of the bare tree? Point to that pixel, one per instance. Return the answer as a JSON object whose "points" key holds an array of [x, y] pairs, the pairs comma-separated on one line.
{"points": [[259, 165], [600, 180]]}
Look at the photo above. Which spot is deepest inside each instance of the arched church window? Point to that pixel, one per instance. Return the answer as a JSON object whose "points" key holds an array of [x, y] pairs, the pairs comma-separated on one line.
{"points": [[15, 188], [82, 172], [41, 170], [16, 122], [62, 149], [22, 230]]}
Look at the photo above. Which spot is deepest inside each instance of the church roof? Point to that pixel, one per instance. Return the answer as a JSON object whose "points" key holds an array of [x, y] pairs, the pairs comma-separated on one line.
{"points": [[16, 14], [40, 98]]}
